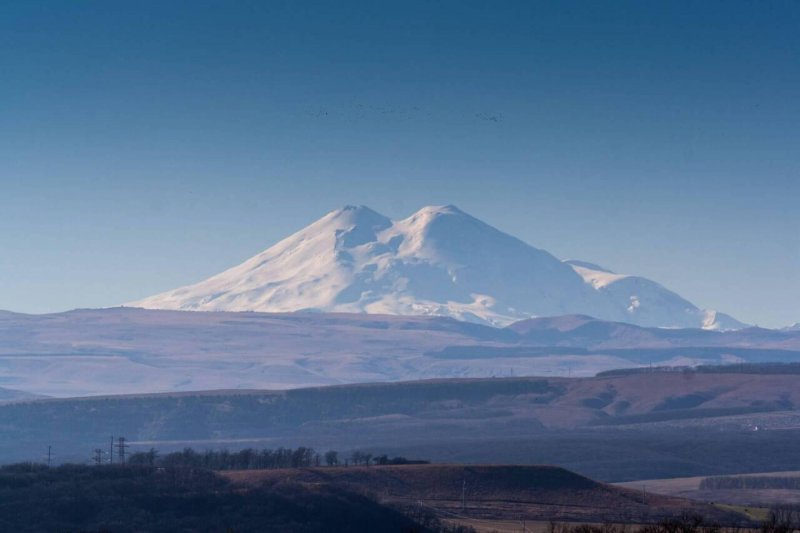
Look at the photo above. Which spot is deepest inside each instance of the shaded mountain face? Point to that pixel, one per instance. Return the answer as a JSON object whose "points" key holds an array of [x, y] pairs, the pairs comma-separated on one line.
{"points": [[439, 261]]}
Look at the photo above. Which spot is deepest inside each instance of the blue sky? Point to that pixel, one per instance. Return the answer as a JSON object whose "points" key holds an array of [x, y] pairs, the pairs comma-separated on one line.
{"points": [[146, 145]]}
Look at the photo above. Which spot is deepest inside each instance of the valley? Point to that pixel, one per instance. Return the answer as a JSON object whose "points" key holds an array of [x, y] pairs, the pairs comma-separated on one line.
{"points": [[611, 428]]}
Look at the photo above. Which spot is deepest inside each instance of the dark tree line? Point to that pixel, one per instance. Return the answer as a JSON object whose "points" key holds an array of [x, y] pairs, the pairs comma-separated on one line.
{"points": [[781, 519], [252, 459]]}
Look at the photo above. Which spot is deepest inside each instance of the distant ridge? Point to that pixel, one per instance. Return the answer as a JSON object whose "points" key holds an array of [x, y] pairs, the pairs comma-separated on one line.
{"points": [[128, 350], [440, 261]]}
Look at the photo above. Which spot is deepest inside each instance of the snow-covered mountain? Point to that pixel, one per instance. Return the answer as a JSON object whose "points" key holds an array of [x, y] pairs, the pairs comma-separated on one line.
{"points": [[439, 261]]}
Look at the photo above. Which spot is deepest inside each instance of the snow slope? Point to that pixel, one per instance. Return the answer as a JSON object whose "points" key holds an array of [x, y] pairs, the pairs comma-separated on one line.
{"points": [[439, 261], [645, 302]]}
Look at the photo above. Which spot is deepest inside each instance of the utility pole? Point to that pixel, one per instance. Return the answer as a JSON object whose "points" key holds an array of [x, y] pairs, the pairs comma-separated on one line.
{"points": [[49, 455], [644, 494], [121, 449], [463, 494], [111, 451]]}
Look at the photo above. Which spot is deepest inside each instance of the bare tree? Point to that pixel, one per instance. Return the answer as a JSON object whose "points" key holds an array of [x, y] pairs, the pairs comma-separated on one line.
{"points": [[331, 458]]}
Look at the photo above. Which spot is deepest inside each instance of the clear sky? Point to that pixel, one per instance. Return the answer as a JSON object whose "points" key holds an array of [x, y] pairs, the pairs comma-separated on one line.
{"points": [[146, 145]]}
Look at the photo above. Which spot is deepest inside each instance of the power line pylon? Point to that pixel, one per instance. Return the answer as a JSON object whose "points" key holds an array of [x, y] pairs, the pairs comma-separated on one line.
{"points": [[98, 456], [121, 450], [463, 494]]}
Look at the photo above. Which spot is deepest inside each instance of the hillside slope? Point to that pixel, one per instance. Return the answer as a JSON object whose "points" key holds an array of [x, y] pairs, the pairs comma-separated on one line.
{"points": [[613, 427], [491, 491]]}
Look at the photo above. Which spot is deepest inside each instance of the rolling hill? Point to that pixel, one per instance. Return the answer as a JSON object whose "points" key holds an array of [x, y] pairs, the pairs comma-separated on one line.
{"points": [[632, 426], [492, 492]]}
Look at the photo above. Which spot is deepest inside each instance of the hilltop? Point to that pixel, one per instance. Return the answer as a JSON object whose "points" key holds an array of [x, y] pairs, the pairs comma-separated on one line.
{"points": [[491, 492]]}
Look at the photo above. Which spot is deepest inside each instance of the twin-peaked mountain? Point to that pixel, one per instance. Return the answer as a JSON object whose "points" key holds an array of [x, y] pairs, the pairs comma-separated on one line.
{"points": [[439, 261]]}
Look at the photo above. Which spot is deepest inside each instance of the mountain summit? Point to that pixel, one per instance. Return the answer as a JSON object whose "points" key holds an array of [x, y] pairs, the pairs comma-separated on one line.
{"points": [[439, 261]]}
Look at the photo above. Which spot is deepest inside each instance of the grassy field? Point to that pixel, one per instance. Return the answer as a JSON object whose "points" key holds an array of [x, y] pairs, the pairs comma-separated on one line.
{"points": [[730, 499], [759, 514], [502, 526]]}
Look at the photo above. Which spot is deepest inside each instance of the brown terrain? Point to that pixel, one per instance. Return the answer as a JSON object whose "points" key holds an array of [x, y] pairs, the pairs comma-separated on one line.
{"points": [[494, 493]]}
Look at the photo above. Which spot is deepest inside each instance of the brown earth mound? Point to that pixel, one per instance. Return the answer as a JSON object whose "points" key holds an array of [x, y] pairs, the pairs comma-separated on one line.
{"points": [[492, 492]]}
